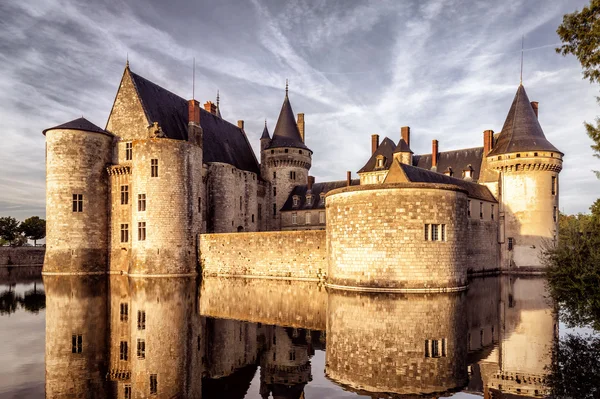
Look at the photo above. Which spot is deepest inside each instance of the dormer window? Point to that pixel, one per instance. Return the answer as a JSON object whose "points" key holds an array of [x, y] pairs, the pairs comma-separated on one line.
{"points": [[322, 198], [296, 200], [309, 199], [449, 172], [380, 162], [468, 172]]}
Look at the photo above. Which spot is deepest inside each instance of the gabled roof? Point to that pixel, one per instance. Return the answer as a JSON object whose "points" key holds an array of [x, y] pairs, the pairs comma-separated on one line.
{"points": [[402, 147], [222, 141], [265, 133], [474, 190], [457, 160], [386, 148], [521, 130], [80, 124], [286, 132], [317, 190]]}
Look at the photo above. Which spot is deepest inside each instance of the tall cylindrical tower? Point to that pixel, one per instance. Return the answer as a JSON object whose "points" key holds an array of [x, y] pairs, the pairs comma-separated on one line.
{"points": [[77, 154], [285, 161], [528, 166]]}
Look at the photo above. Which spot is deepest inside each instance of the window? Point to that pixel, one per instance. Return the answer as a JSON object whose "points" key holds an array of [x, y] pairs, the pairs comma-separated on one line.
{"points": [[555, 214], [307, 218], [322, 198], [292, 355], [199, 205], [510, 243], [127, 392], [241, 203], [293, 175], [492, 213], [77, 343], [427, 353], [274, 356], [286, 150], [435, 348], [124, 233], [444, 347], [309, 199], [128, 151], [296, 200], [443, 232], [274, 339], [518, 155], [274, 210], [469, 208], [154, 167], [124, 195], [259, 211], [535, 154], [553, 185], [141, 320], [380, 161], [153, 384], [272, 151], [294, 218], [77, 202], [141, 349], [274, 191], [434, 232], [124, 312], [141, 231], [252, 218], [321, 217], [274, 175], [481, 210], [426, 232], [123, 351], [300, 152], [141, 202]]}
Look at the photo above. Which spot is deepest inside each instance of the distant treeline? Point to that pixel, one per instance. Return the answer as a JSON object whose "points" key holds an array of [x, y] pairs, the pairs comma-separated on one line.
{"points": [[16, 233]]}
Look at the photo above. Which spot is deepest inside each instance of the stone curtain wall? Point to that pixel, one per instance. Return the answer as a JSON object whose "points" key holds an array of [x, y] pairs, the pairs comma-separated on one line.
{"points": [[301, 304], [376, 236], [21, 256], [483, 250], [288, 255]]}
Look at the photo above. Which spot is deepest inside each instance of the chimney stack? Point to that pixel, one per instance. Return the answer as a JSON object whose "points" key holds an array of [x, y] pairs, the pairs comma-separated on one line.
{"points": [[311, 181], [434, 153], [348, 178], [193, 112], [210, 107], [488, 141], [300, 125], [241, 124], [374, 143], [405, 134], [535, 105]]}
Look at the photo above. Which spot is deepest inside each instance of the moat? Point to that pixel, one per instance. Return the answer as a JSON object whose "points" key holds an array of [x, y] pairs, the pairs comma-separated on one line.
{"points": [[117, 336]]}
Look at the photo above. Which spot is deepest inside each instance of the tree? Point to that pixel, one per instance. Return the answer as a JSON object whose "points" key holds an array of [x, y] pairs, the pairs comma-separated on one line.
{"points": [[34, 228], [580, 34], [9, 228]]}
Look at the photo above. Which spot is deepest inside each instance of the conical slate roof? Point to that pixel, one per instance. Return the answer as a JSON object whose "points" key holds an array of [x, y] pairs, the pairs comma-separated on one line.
{"points": [[286, 132], [402, 147], [80, 124], [265, 133], [521, 130]]}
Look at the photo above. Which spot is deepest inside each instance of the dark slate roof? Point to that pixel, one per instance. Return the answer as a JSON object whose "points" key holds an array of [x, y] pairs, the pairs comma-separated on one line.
{"points": [[286, 132], [233, 386], [418, 175], [386, 148], [521, 130], [458, 160], [265, 133], [402, 147], [317, 189], [223, 141], [80, 124]]}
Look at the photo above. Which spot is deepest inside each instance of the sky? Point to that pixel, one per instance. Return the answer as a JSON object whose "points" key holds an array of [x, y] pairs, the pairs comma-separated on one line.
{"points": [[448, 69]]}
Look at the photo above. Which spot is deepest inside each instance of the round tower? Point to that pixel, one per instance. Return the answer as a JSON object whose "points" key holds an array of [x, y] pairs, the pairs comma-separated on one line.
{"points": [[285, 160], [528, 166], [77, 154]]}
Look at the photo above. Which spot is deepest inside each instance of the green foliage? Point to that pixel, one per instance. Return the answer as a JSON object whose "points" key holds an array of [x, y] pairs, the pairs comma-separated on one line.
{"points": [[575, 368], [34, 228], [9, 228], [573, 268]]}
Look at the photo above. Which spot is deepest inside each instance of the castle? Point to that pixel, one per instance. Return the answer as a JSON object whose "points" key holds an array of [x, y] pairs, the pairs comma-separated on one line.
{"points": [[139, 197]]}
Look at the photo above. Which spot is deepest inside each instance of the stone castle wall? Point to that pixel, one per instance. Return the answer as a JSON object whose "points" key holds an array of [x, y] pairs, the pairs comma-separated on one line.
{"points": [[483, 251], [299, 304], [77, 242], [10, 256], [376, 237], [288, 255]]}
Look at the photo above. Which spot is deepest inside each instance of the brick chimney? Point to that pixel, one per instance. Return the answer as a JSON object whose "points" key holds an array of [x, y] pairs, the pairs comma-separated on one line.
{"points": [[348, 178], [193, 112], [434, 153], [374, 143], [210, 107], [405, 134], [488, 141], [241, 124], [300, 124], [535, 105], [311, 181]]}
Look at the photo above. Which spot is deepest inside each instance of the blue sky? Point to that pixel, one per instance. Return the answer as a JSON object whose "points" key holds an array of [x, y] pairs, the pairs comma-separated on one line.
{"points": [[448, 69]]}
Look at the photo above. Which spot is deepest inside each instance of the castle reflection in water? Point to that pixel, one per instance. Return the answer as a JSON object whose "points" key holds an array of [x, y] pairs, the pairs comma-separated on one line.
{"points": [[125, 337]]}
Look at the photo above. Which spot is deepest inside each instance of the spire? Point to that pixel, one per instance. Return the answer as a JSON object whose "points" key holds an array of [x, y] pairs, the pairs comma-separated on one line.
{"points": [[218, 108], [286, 132], [521, 130], [265, 133]]}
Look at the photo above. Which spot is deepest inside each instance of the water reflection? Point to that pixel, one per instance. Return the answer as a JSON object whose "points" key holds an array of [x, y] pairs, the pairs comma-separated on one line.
{"points": [[230, 338]]}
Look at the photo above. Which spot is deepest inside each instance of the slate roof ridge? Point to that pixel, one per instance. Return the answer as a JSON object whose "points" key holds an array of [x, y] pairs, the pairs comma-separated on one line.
{"points": [[457, 150], [80, 124]]}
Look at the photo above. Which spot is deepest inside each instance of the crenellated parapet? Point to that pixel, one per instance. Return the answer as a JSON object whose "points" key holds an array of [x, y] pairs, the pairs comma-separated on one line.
{"points": [[527, 162]]}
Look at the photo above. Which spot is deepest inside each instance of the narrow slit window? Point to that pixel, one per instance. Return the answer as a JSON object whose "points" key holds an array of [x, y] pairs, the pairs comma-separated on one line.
{"points": [[435, 348], [307, 218], [123, 355], [510, 243], [141, 202], [443, 232], [427, 350], [469, 208], [434, 232], [141, 349], [76, 343], [553, 185], [141, 320], [426, 232], [274, 210], [199, 205], [127, 391], [481, 210], [492, 212], [444, 349], [555, 214], [154, 167], [153, 384], [124, 312], [77, 202], [274, 191]]}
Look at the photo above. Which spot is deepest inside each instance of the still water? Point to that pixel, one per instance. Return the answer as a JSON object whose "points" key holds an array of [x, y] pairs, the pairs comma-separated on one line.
{"points": [[121, 337]]}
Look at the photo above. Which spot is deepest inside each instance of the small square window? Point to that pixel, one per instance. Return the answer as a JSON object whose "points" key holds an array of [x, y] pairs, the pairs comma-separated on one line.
{"points": [[77, 202]]}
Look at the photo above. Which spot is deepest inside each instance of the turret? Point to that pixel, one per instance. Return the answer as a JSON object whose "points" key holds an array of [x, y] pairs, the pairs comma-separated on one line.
{"points": [[528, 166], [403, 153], [77, 206], [285, 160]]}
